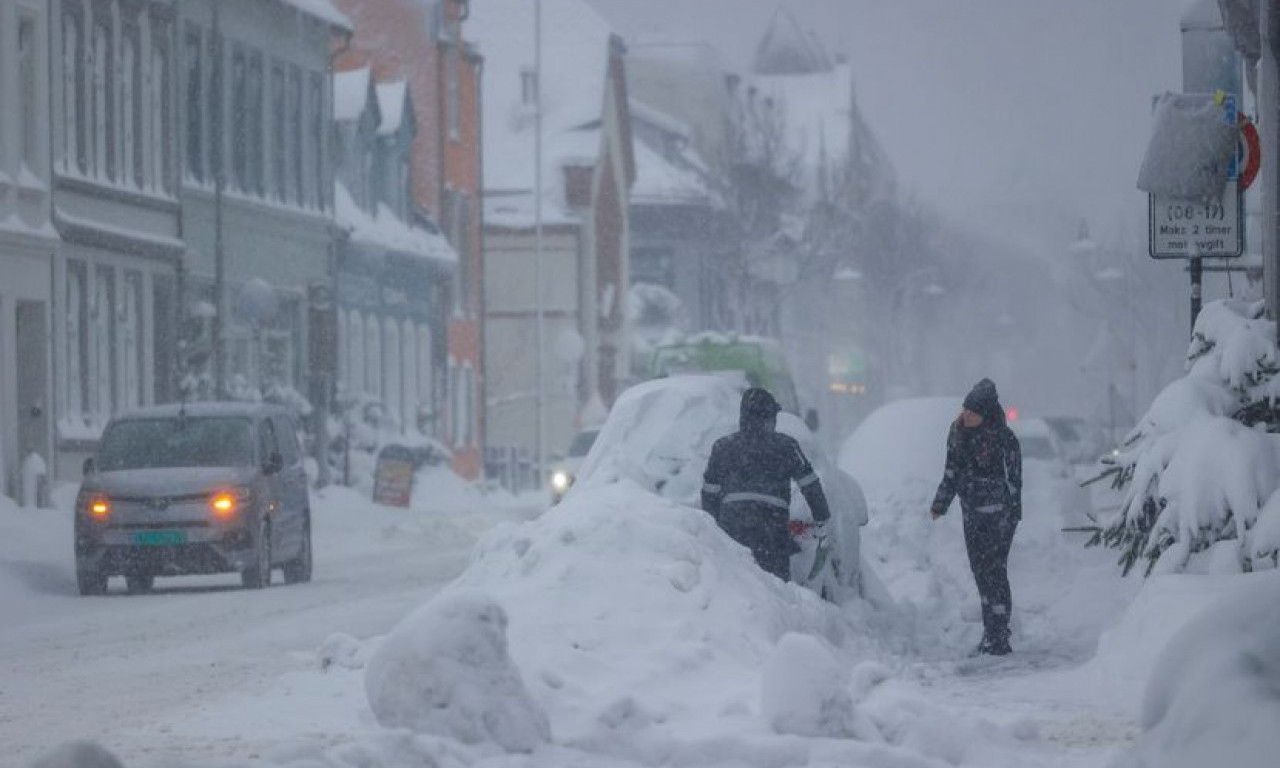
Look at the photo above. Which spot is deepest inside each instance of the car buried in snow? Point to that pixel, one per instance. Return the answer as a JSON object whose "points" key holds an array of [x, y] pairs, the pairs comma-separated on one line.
{"points": [[194, 489], [659, 435]]}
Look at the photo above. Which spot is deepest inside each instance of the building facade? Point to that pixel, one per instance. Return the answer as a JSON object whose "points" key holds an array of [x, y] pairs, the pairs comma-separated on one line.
{"points": [[588, 169], [115, 174], [254, 126], [423, 43], [394, 267], [29, 248]]}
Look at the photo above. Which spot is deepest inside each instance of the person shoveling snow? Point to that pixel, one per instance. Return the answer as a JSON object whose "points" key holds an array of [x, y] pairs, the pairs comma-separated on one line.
{"points": [[747, 486]]}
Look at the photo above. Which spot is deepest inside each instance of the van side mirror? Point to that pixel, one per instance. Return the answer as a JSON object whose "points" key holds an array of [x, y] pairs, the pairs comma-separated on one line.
{"points": [[274, 463], [811, 419], [89, 467]]}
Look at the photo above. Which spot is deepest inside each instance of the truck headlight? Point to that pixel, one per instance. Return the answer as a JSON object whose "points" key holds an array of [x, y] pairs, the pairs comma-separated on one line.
{"points": [[560, 480]]}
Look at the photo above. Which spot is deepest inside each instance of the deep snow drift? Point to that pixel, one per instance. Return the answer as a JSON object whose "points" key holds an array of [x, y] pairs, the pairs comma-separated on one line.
{"points": [[1214, 694], [647, 635]]}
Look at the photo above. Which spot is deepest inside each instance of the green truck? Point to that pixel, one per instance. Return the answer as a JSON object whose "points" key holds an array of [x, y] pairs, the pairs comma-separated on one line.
{"points": [[759, 359]]}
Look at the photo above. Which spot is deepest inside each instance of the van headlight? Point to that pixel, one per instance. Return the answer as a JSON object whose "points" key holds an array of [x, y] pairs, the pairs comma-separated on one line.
{"points": [[561, 480]]}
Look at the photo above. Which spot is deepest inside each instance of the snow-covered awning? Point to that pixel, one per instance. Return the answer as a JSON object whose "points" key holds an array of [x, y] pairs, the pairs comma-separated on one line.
{"points": [[386, 230]]}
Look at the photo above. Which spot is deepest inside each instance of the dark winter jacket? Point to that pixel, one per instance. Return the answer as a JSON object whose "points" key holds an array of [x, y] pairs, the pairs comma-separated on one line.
{"points": [[756, 466], [984, 467]]}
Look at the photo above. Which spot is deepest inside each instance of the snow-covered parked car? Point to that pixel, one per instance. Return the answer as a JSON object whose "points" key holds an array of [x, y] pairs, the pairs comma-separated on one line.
{"points": [[1046, 462], [659, 436], [195, 489]]}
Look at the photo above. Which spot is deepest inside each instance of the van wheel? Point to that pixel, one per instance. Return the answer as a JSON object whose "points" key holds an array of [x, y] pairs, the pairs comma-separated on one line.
{"points": [[258, 575], [90, 582], [139, 583], [298, 570]]}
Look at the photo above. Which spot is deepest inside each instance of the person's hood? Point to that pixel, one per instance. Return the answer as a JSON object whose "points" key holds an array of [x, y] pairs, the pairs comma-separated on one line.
{"points": [[758, 411], [984, 400]]}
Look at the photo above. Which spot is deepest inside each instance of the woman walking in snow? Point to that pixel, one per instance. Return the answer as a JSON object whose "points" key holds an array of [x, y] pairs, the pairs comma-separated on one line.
{"points": [[984, 468]]}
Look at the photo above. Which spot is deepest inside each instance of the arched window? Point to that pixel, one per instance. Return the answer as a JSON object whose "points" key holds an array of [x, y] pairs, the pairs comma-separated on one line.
{"points": [[373, 358], [75, 347], [409, 377], [391, 368], [426, 375], [131, 341], [355, 353]]}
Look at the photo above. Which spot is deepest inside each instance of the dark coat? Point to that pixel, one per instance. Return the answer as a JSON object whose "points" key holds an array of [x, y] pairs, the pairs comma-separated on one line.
{"points": [[984, 468], [756, 465]]}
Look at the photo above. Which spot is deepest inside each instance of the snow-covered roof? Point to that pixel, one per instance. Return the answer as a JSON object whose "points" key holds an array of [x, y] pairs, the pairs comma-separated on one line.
{"points": [[663, 182], [391, 102], [575, 55], [659, 119], [786, 49], [323, 10], [350, 93], [818, 109], [386, 230]]}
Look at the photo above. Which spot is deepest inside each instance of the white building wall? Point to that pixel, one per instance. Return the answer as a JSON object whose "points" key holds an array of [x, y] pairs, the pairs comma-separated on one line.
{"points": [[511, 338], [28, 242]]}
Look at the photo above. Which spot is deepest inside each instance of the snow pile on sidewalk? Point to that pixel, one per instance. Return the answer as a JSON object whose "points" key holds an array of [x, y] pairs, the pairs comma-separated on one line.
{"points": [[1214, 695], [630, 612], [649, 637], [445, 670], [1202, 474], [1129, 649]]}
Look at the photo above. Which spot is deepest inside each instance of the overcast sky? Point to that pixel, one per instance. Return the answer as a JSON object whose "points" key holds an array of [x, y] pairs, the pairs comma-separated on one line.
{"points": [[1013, 115]]}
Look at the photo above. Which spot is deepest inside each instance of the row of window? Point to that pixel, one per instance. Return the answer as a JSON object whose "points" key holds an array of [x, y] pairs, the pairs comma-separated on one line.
{"points": [[391, 360], [274, 124], [268, 114], [115, 62]]}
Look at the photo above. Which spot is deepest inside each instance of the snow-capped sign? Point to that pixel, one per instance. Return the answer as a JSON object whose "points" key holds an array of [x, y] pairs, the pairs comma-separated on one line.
{"points": [[1182, 229], [1188, 225]]}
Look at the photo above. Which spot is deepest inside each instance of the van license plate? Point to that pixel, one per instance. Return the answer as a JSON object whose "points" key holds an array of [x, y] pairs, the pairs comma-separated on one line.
{"points": [[159, 538]]}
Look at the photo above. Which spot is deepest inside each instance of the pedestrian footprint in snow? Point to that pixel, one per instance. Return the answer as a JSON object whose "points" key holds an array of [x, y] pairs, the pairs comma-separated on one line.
{"points": [[747, 484], [984, 468]]}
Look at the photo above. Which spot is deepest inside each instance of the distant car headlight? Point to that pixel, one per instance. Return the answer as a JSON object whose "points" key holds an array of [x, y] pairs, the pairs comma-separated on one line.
{"points": [[561, 480]]}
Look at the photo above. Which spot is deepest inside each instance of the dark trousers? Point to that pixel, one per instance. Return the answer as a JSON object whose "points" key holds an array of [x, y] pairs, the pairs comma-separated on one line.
{"points": [[763, 530], [988, 537]]}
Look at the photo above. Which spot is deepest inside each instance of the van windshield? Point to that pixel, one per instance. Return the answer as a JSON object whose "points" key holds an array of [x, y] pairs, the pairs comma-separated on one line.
{"points": [[186, 442]]}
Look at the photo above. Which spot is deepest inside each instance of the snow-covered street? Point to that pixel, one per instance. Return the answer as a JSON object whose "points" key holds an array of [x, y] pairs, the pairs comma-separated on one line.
{"points": [[149, 674], [206, 672]]}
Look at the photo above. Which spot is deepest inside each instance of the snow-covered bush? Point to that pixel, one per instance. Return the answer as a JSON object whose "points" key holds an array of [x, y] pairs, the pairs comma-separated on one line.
{"points": [[1203, 466], [1214, 695], [445, 671]]}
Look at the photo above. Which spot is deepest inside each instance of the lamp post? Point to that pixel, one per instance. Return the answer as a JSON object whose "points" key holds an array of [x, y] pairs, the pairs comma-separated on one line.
{"points": [[540, 332]]}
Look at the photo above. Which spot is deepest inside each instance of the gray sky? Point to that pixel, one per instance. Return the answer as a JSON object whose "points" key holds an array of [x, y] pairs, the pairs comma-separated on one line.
{"points": [[1018, 116]]}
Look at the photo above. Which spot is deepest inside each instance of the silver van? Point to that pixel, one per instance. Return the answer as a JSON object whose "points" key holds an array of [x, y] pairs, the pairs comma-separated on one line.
{"points": [[194, 489]]}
